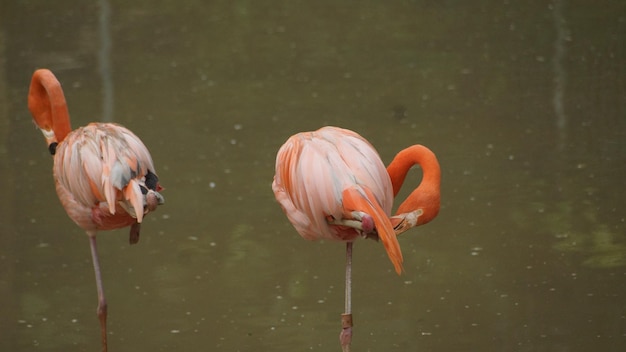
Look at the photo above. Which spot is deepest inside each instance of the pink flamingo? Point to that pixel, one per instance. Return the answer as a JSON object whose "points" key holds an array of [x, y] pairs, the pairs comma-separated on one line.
{"points": [[331, 184], [103, 173]]}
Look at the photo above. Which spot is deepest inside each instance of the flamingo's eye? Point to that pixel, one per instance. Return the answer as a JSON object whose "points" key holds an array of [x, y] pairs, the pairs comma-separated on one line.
{"points": [[53, 148]]}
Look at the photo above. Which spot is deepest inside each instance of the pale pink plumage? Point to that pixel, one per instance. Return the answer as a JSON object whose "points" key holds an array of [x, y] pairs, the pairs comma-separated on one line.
{"points": [[314, 170], [99, 171]]}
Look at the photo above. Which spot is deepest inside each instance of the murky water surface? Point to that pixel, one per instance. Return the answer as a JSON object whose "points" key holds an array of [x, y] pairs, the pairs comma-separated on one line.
{"points": [[524, 104]]}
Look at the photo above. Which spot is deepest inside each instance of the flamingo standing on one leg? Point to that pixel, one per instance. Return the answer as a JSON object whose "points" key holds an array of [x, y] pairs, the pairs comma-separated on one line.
{"points": [[332, 184], [103, 173]]}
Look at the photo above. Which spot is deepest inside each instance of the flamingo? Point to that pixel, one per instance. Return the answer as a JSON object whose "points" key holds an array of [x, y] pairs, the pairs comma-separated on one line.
{"points": [[332, 184], [103, 173]]}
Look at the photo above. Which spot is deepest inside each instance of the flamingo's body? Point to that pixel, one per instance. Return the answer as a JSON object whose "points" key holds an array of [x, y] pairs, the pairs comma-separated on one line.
{"points": [[103, 176], [331, 184], [335, 174], [103, 173]]}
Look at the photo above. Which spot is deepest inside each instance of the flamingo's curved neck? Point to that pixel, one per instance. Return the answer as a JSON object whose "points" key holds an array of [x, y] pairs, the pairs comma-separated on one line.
{"points": [[426, 195], [46, 103]]}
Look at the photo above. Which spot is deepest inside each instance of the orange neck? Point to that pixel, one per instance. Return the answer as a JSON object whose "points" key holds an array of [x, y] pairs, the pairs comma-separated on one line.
{"points": [[427, 195], [46, 103]]}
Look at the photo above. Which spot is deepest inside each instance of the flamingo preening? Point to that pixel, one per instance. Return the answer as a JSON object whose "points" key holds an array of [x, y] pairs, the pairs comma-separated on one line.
{"points": [[332, 184], [103, 173]]}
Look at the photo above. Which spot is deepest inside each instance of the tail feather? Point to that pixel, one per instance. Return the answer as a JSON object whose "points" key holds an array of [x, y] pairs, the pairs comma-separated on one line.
{"points": [[361, 199]]}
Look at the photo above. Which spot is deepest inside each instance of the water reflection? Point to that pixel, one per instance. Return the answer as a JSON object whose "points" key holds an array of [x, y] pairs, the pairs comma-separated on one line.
{"points": [[560, 76], [104, 60], [527, 253]]}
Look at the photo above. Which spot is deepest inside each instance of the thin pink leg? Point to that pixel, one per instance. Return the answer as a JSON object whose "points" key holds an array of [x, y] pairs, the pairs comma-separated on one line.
{"points": [[345, 337], [102, 303]]}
